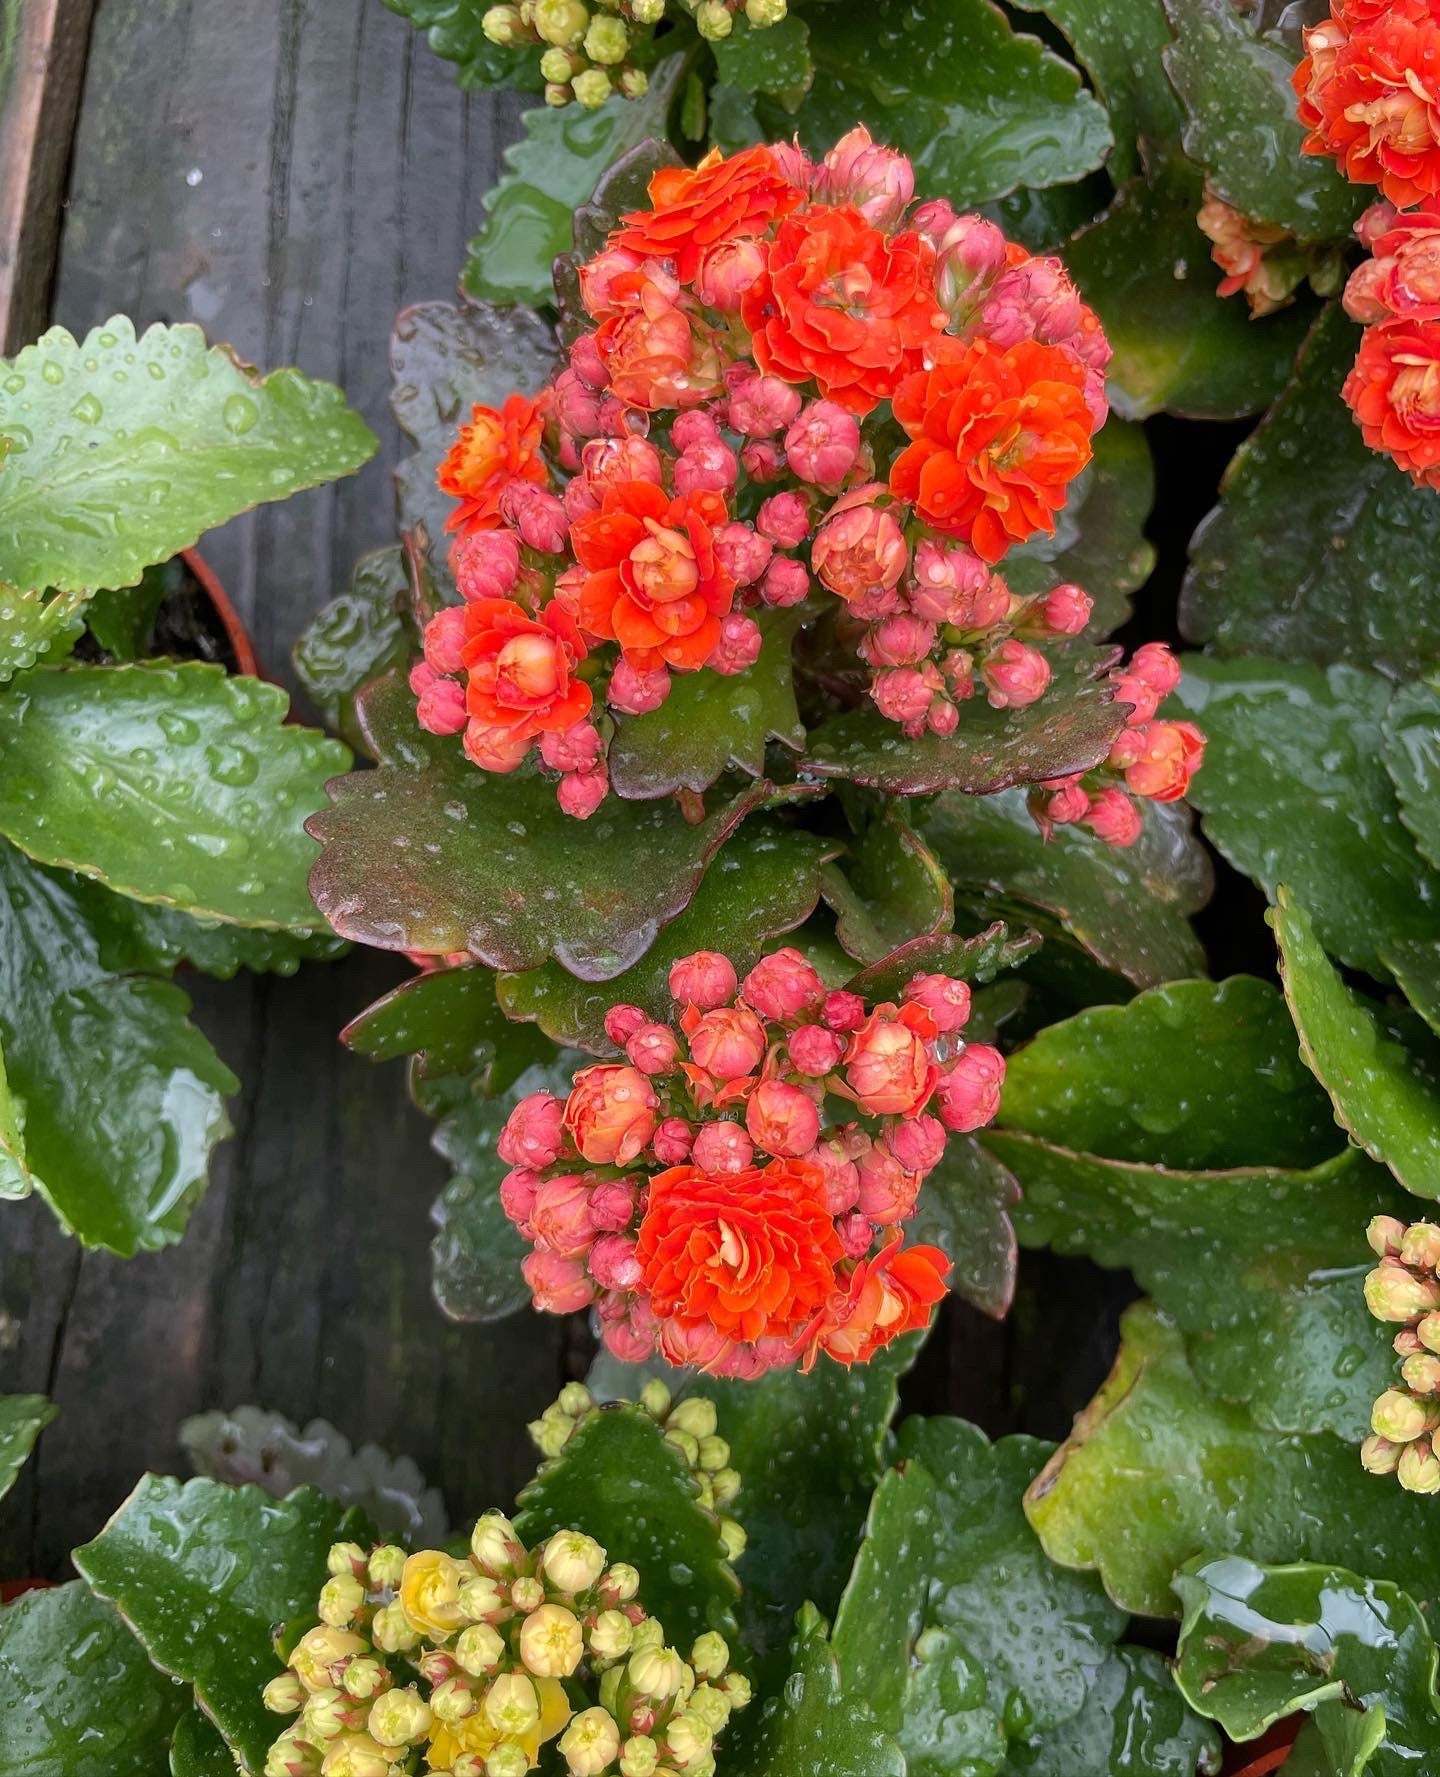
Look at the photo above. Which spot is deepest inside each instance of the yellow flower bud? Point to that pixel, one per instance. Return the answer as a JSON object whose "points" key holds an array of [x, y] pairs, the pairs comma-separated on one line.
{"points": [[550, 1439], [732, 1539], [1421, 1373], [1399, 1416], [341, 1601], [696, 1416], [452, 1700], [1384, 1234], [387, 1564], [639, 1756], [764, 13], [328, 1713], [725, 1486], [607, 41], [469, 1764], [399, 1718], [362, 1678], [1395, 1294], [479, 1650], [710, 1655], [561, 22], [714, 20], [284, 1694], [575, 1399], [687, 1740], [495, 1546], [1418, 1470], [656, 1672], [527, 1593], [591, 88], [551, 1642], [611, 1635], [503, 25], [714, 1455], [507, 1760], [737, 1688], [318, 1650], [655, 1396], [572, 1562], [1421, 1246], [1378, 1456], [512, 1704], [355, 1755], [557, 95], [430, 1593], [392, 1631], [634, 82], [646, 1633], [1427, 1331], [290, 1754], [345, 1558], [484, 1600], [590, 1743], [622, 1582], [712, 1706]]}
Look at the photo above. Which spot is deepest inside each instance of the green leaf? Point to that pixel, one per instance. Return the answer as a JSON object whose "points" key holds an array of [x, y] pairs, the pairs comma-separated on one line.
{"points": [[1100, 542], [444, 360], [22, 1419], [1146, 268], [1412, 757], [1241, 128], [1118, 43], [1260, 1643], [810, 1726], [122, 618], [125, 450], [202, 1573], [888, 888], [477, 1250], [355, 638], [980, 109], [773, 59], [1315, 554], [553, 170], [979, 959], [454, 32], [1070, 729], [32, 624], [712, 721], [1157, 1471], [763, 882], [619, 1481], [78, 1698], [176, 784], [1295, 790], [1127, 909], [452, 1023], [1131, 1724], [1380, 1066], [198, 1749], [171, 937], [430, 854], [964, 1209], [114, 1098], [1336, 1742], [1192, 1075]]}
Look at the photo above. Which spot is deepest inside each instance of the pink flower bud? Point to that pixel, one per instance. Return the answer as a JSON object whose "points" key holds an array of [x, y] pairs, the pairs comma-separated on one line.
{"points": [[1365, 294], [422, 676], [761, 406], [538, 515], [603, 277], [784, 519], [843, 1011], [887, 1190], [693, 429], [697, 1342], [722, 1148], [901, 694], [492, 748], [942, 717], [762, 460], [858, 547], [581, 498], [580, 793], [576, 748], [785, 582], [729, 1043], [485, 563], [1378, 220], [972, 252], [559, 1285], [621, 1023], [586, 362], [635, 693], [837, 1158], [726, 272], [1033, 300], [901, 640], [612, 1204], [1155, 666], [1114, 818], [613, 1264], [878, 181], [1067, 806], [706, 979], [672, 1141], [610, 1113], [945, 999], [561, 1215], [856, 1235], [712, 468], [1159, 759], [917, 1143], [517, 1197], [823, 445], [968, 1094], [654, 1049], [781, 1119], [783, 986], [1143, 699], [445, 639], [576, 408], [739, 646], [629, 1330], [950, 584], [814, 1051], [1067, 610], [608, 462], [1015, 675], [533, 1132], [887, 1063], [742, 552], [441, 707]]}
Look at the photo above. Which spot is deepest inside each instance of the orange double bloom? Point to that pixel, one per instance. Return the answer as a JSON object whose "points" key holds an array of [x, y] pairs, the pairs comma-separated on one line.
{"points": [[500, 445], [696, 209]]}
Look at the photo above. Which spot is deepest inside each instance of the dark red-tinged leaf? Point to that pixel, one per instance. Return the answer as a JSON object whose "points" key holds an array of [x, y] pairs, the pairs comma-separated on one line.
{"points": [[978, 959]]}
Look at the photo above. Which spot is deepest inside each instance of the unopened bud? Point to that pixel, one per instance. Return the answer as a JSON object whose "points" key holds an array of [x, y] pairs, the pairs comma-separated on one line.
{"points": [[639, 1756], [725, 1486], [561, 22], [1378, 1456], [550, 1433], [484, 1600], [551, 1643], [591, 88], [688, 1447], [575, 1399], [1421, 1246], [713, 20], [647, 12], [1400, 1417], [341, 1600], [385, 1566], [503, 25], [1395, 1294], [646, 1633], [1384, 1235], [512, 1704], [714, 1454], [711, 1705], [655, 1399], [328, 1713], [622, 1582], [732, 1539], [590, 1743], [506, 1760], [362, 1678], [453, 1700], [737, 1688], [284, 1694], [479, 1650], [1427, 1331], [710, 1655], [392, 1631], [291, 1755], [607, 41], [687, 1740], [764, 13], [527, 1593], [573, 1562], [495, 1546], [656, 1672], [356, 1755], [696, 1415], [1418, 1470], [611, 1635], [634, 82], [557, 95], [1421, 1373], [345, 1558], [558, 65], [399, 1718], [320, 1649]]}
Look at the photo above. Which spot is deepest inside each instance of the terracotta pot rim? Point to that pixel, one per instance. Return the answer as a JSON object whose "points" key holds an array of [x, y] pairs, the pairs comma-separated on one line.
{"points": [[237, 634]]}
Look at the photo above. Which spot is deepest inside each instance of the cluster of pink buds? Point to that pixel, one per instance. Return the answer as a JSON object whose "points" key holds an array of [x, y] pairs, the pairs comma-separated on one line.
{"points": [[1151, 760], [695, 1193], [1404, 1289]]}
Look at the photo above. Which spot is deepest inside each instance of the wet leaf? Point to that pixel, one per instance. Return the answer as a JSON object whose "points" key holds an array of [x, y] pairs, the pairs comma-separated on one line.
{"points": [[174, 784], [631, 1491], [32, 626], [202, 1573], [78, 1698], [221, 951], [762, 883], [122, 618], [808, 1725], [1261, 1643], [978, 960], [772, 59], [1316, 554], [454, 32], [198, 1749], [1156, 1471], [355, 638], [1412, 757], [125, 450], [888, 887], [22, 1419], [1380, 1065], [1070, 729], [451, 1022], [1131, 1724], [430, 854], [1295, 790], [964, 1209], [1126, 909]]}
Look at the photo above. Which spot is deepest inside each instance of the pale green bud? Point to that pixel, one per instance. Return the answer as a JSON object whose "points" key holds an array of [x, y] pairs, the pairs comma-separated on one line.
{"points": [[710, 1655], [392, 1631], [725, 1485], [714, 1454], [1421, 1373], [284, 1695], [1384, 1234], [452, 1700], [320, 1649], [483, 1600], [495, 1546], [512, 1704], [737, 1688], [732, 1539], [469, 1764], [550, 1436], [345, 1558], [328, 1713], [290, 1754], [702, 1767], [341, 1601], [607, 41], [557, 94], [591, 88], [688, 1447], [551, 1641], [634, 82], [687, 1740], [1418, 1470], [590, 1743], [1406, 1343], [561, 22], [764, 13], [1427, 1331], [611, 1681], [639, 1756], [622, 1582], [1400, 1417], [1421, 1246], [527, 1593], [507, 1760], [655, 1396], [572, 1562], [656, 1672], [399, 1718], [714, 20], [1378, 1456], [648, 1633], [503, 25], [1393, 1293], [386, 1565], [696, 1416], [362, 1678], [479, 1650], [611, 1635], [712, 1706], [575, 1399], [705, 1493]]}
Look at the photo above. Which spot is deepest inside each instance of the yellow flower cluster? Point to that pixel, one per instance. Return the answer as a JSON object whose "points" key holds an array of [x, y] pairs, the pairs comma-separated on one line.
{"points": [[467, 1667], [1404, 1288]]}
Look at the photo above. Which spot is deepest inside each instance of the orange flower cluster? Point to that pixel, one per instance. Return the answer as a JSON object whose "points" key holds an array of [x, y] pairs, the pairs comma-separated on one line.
{"points": [[693, 1194]]}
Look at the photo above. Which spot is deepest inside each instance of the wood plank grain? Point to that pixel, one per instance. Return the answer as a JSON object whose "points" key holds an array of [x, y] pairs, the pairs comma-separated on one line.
{"points": [[42, 66]]}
